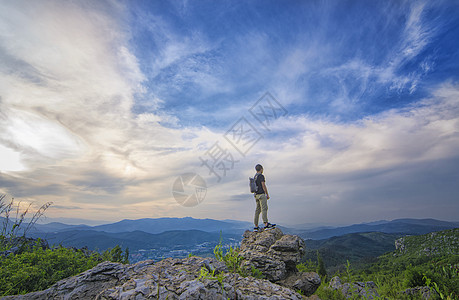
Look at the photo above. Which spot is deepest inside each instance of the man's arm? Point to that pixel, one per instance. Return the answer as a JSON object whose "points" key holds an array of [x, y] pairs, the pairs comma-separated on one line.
{"points": [[265, 189]]}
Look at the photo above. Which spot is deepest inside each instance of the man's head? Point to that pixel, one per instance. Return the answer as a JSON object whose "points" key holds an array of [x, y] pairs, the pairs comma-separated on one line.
{"points": [[259, 168]]}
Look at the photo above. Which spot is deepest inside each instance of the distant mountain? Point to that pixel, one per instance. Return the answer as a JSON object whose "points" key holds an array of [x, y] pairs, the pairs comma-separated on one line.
{"points": [[166, 224], [71, 221], [56, 226], [153, 226], [399, 226], [309, 226], [135, 240]]}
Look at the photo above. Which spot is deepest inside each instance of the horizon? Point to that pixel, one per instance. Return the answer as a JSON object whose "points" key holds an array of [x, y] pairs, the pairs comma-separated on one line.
{"points": [[313, 225], [140, 109]]}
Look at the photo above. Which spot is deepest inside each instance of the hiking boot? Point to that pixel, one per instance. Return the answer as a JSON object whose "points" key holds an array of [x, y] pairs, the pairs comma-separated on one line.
{"points": [[269, 226]]}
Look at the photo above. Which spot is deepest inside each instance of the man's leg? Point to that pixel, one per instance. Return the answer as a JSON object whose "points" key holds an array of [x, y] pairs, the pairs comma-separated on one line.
{"points": [[264, 208], [257, 211]]}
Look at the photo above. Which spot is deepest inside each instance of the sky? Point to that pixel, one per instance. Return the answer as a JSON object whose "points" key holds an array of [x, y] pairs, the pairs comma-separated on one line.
{"points": [[352, 108]]}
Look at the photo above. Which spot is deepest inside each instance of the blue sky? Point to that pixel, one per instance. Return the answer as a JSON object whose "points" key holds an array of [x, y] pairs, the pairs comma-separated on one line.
{"points": [[104, 104]]}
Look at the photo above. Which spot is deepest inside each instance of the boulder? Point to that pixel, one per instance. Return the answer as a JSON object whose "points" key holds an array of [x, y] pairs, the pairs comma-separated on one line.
{"points": [[305, 282], [367, 290], [423, 291], [276, 255], [289, 249]]}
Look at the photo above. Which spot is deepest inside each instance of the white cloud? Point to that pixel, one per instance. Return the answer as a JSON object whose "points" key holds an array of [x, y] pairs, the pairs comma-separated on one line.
{"points": [[67, 90], [321, 67], [340, 163], [10, 160], [66, 97]]}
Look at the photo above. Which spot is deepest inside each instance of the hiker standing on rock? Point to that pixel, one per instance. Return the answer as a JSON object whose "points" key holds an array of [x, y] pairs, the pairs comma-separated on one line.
{"points": [[261, 198]]}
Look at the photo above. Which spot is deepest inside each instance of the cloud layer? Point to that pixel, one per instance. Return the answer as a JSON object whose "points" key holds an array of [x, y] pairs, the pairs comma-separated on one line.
{"points": [[103, 105]]}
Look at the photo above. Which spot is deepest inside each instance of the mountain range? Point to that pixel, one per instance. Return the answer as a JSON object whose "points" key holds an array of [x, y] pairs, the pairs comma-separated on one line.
{"points": [[153, 226], [134, 240], [170, 234], [398, 226]]}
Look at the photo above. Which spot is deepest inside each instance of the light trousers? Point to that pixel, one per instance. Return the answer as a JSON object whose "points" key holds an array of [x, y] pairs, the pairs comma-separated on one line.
{"points": [[262, 207]]}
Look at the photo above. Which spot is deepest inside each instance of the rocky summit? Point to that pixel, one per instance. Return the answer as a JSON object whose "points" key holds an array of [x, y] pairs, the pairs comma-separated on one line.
{"points": [[271, 252], [276, 255]]}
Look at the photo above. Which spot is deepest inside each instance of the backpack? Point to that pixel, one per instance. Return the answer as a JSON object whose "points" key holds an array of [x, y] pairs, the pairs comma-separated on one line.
{"points": [[253, 183]]}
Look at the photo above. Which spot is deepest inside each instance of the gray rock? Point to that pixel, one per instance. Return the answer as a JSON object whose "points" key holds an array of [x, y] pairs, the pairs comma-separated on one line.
{"points": [[289, 249], [273, 253], [168, 279], [305, 282], [260, 241], [367, 290], [423, 291], [272, 269], [276, 256], [335, 283]]}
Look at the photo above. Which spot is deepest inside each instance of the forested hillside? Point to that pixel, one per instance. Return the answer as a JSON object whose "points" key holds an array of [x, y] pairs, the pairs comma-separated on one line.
{"points": [[430, 261]]}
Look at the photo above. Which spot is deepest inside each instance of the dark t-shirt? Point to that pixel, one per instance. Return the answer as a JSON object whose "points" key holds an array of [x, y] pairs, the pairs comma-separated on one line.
{"points": [[260, 179]]}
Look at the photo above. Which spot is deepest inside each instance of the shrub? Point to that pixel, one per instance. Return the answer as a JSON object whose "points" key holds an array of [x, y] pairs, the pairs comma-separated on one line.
{"points": [[35, 266], [233, 260]]}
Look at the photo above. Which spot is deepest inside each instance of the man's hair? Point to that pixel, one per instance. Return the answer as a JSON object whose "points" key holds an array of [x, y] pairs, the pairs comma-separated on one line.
{"points": [[258, 167]]}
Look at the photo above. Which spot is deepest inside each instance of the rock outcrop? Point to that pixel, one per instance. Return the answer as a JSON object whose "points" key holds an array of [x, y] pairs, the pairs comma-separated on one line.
{"points": [[366, 290], [275, 254], [421, 291]]}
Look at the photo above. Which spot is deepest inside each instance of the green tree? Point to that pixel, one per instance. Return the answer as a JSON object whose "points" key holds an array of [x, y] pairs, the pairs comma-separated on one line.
{"points": [[321, 266]]}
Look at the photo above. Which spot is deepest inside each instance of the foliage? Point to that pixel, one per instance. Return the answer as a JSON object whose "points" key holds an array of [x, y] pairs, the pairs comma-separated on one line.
{"points": [[358, 248], [39, 269], [307, 266], [12, 228], [35, 266], [205, 274], [233, 260], [310, 266], [441, 273], [429, 260], [348, 271], [321, 267], [116, 255], [256, 273], [414, 277]]}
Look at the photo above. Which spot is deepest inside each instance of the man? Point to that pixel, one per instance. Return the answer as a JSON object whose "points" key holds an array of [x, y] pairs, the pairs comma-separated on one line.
{"points": [[261, 198]]}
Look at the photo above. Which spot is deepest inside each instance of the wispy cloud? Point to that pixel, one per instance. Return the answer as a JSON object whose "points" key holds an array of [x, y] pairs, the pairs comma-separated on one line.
{"points": [[66, 120], [102, 111], [339, 163], [335, 74]]}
